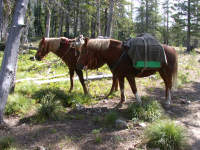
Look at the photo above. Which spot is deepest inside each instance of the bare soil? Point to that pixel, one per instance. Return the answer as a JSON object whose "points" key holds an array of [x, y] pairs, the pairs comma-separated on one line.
{"points": [[76, 133]]}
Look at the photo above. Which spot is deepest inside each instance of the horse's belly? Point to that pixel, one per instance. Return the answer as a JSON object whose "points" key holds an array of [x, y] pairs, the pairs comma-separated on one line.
{"points": [[146, 73]]}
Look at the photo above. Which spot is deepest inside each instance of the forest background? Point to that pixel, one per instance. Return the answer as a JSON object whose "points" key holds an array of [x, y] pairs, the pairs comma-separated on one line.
{"points": [[173, 23]]}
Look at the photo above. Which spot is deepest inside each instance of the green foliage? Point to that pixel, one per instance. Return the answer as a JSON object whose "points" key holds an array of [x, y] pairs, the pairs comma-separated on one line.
{"points": [[49, 109], [6, 142], [19, 105], [110, 118], [149, 110], [98, 138], [183, 78], [166, 135]]}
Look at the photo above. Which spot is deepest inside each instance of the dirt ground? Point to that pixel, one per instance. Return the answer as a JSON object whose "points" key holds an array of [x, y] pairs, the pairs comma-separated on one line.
{"points": [[77, 133]]}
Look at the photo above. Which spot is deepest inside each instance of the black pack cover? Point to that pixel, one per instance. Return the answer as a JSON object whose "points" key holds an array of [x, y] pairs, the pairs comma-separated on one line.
{"points": [[145, 51]]}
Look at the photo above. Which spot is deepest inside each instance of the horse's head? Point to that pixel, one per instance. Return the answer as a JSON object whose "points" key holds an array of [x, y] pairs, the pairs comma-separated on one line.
{"points": [[84, 54], [42, 50]]}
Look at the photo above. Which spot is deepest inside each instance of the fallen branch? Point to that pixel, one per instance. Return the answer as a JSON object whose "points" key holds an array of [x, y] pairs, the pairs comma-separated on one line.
{"points": [[94, 77], [33, 79]]}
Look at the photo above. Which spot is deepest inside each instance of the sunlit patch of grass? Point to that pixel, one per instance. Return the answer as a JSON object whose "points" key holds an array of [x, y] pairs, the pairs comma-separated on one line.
{"points": [[19, 105], [166, 135], [97, 135], [6, 142], [183, 78], [149, 110]]}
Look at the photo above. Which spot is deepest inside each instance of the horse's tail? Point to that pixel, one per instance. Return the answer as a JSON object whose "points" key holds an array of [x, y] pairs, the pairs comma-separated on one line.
{"points": [[175, 70]]}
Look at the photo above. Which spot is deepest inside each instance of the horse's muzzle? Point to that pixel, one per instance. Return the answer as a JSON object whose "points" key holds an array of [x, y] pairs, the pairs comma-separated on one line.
{"points": [[79, 66]]}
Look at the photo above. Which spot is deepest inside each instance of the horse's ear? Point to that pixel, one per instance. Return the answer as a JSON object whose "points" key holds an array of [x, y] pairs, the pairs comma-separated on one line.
{"points": [[43, 39]]}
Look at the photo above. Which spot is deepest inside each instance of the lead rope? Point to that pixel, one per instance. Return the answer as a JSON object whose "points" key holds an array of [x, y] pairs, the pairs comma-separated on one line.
{"points": [[87, 83]]}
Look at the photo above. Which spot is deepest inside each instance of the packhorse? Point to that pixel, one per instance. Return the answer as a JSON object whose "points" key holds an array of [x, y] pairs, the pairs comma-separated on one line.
{"points": [[115, 54]]}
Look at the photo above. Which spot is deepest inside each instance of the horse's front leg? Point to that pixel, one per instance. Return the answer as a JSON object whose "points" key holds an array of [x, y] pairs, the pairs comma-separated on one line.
{"points": [[114, 83], [80, 75], [121, 85], [71, 74], [132, 83]]}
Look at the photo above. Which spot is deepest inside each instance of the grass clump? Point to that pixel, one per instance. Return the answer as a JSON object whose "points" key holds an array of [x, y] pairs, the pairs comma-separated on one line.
{"points": [[110, 118], [149, 110], [6, 142], [49, 109], [166, 135], [96, 133], [18, 105]]}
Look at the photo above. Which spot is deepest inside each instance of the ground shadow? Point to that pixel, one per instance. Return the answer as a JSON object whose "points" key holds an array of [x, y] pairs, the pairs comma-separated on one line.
{"points": [[180, 99]]}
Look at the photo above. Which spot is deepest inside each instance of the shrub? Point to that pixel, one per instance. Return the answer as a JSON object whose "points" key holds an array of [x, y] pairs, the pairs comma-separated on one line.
{"points": [[49, 108], [149, 110], [18, 105], [110, 118], [166, 135], [6, 142]]}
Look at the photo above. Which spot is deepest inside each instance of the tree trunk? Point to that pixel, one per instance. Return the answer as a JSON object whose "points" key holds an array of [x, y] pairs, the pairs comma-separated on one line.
{"points": [[48, 21], [106, 20], [76, 14], [109, 21], [147, 16], [11, 53], [188, 28], [60, 30], [93, 26], [98, 18], [167, 34], [1, 18], [67, 25]]}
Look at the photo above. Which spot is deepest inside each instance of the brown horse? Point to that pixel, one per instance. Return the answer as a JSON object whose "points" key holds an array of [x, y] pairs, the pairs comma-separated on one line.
{"points": [[63, 48], [110, 51]]}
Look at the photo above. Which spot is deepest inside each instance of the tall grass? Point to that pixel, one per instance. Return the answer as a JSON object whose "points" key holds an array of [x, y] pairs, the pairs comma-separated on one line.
{"points": [[6, 142], [149, 110], [166, 135]]}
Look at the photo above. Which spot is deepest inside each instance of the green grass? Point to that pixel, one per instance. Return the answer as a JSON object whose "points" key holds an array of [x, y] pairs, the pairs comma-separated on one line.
{"points": [[96, 133], [150, 110], [6, 142], [166, 135], [50, 109], [110, 118], [19, 105]]}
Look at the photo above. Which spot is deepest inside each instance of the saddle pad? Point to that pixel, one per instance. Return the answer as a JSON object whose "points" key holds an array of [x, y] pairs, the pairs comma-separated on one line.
{"points": [[146, 52]]}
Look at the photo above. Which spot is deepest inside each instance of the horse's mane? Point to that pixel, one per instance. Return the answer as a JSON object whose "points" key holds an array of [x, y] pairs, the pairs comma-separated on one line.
{"points": [[98, 44], [52, 43]]}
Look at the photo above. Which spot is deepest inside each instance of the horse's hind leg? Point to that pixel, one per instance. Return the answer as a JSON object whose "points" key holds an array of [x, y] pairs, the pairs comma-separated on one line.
{"points": [[114, 83], [167, 77], [71, 74], [121, 85], [132, 83], [80, 75]]}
